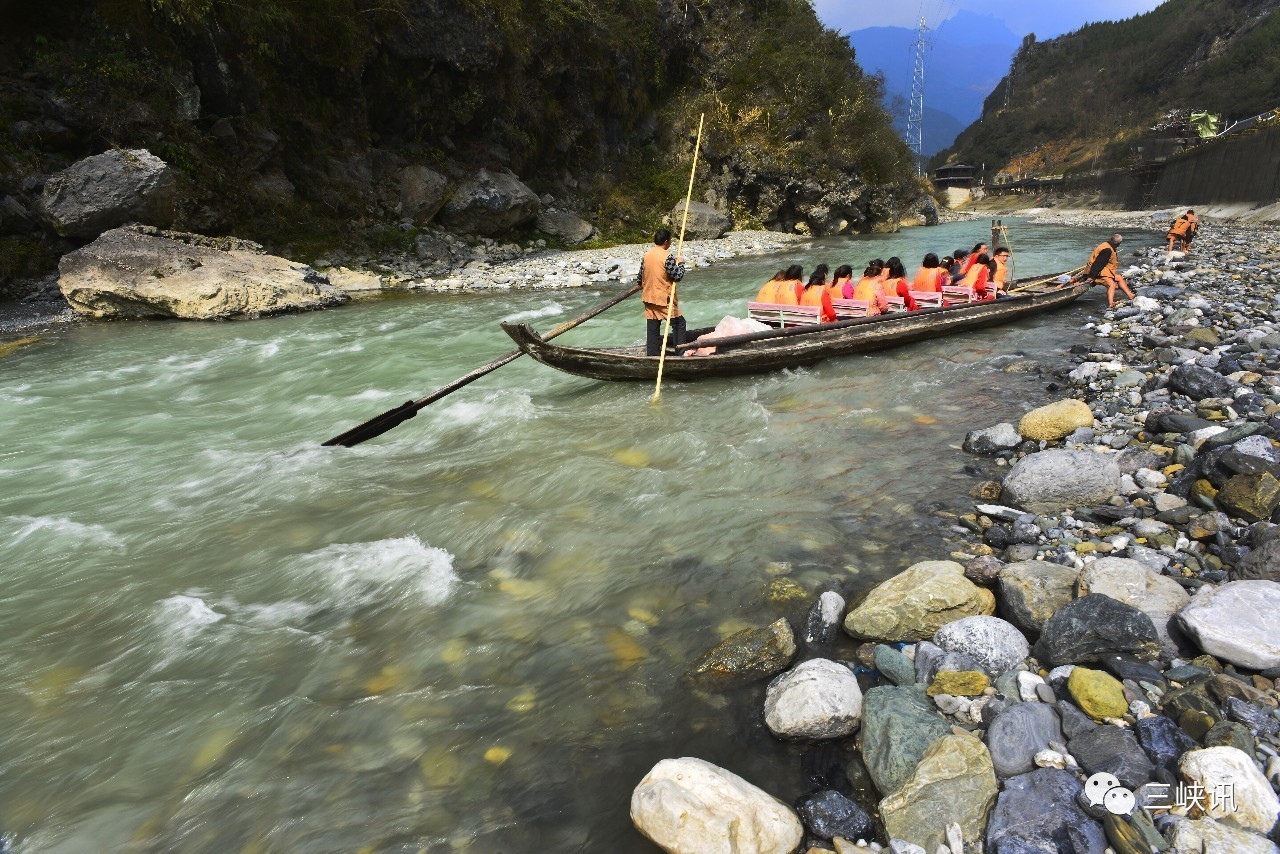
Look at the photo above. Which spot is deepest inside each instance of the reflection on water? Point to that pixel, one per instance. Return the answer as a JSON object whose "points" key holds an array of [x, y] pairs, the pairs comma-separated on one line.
{"points": [[466, 635]]}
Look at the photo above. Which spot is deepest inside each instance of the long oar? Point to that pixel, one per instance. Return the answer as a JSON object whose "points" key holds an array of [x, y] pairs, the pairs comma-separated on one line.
{"points": [[671, 297], [380, 424]]}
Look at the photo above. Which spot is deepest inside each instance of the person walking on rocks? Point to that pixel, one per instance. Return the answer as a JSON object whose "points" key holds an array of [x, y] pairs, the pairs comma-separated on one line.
{"points": [[1183, 231], [660, 269], [1102, 268]]}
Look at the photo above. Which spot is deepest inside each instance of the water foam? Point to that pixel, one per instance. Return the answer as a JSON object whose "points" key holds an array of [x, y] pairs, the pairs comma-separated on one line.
{"points": [[185, 615], [549, 310], [373, 568], [60, 526]]}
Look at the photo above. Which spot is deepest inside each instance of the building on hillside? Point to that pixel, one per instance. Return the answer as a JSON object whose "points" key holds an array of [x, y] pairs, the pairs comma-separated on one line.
{"points": [[955, 175]]}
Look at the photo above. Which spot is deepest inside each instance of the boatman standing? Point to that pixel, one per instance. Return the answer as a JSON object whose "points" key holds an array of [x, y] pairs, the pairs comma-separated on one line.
{"points": [[660, 269], [1103, 269]]}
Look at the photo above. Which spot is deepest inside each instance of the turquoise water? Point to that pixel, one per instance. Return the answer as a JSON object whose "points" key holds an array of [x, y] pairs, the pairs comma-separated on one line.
{"points": [[469, 633]]}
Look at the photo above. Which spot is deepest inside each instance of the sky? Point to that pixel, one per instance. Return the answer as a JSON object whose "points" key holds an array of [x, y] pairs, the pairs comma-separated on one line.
{"points": [[1045, 18]]}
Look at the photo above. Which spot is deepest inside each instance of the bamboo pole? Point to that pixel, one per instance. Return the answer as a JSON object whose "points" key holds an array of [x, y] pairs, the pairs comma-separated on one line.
{"points": [[671, 297]]}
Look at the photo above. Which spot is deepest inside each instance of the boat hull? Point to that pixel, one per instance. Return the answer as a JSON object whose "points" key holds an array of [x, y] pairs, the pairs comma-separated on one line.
{"points": [[823, 341]]}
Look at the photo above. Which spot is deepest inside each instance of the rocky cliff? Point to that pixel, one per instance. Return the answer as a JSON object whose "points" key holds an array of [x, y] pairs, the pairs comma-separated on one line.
{"points": [[305, 126]]}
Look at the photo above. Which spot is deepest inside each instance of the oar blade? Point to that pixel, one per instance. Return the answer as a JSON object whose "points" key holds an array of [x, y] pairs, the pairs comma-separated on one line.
{"points": [[375, 426]]}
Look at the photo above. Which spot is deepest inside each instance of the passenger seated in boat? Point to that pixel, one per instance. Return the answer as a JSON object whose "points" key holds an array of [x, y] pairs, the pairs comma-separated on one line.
{"points": [[931, 276], [816, 294], [895, 284], [843, 276], [870, 288], [783, 291], [979, 250], [957, 262], [979, 274], [1000, 275]]}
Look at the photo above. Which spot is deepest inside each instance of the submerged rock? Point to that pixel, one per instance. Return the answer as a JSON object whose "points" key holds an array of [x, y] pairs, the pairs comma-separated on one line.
{"points": [[138, 273], [917, 602], [954, 782], [749, 655], [822, 626], [689, 806]]}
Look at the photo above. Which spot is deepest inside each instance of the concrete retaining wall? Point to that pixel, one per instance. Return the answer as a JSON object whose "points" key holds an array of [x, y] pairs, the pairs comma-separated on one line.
{"points": [[1239, 169]]}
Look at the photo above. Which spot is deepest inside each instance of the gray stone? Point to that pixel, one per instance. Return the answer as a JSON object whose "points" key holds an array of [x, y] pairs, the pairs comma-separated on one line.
{"points": [[1019, 733], [745, 657], [704, 223], [1128, 581], [898, 726], [1112, 750], [1074, 721], [992, 440], [422, 193], [1031, 591], [818, 699], [995, 644], [1261, 564], [108, 190], [1163, 741], [895, 666], [1093, 626], [1053, 481], [1237, 622], [822, 626], [491, 203], [828, 814], [1038, 812], [1199, 383], [566, 225]]}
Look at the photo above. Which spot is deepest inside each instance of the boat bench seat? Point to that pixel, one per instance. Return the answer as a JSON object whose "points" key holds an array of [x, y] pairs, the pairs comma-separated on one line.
{"points": [[784, 315], [927, 299], [895, 304], [954, 294], [846, 309]]}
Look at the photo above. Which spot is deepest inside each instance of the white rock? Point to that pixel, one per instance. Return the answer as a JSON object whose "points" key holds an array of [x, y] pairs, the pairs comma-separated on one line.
{"points": [[1027, 682], [997, 645], [689, 806], [1206, 836], [816, 699], [1230, 772], [1145, 304], [1149, 478], [1197, 437], [1165, 501], [1050, 759], [1085, 372], [1149, 528], [1237, 622]]}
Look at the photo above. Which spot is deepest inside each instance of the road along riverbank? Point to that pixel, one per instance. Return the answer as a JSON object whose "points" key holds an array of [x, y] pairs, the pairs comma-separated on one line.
{"points": [[1095, 661]]}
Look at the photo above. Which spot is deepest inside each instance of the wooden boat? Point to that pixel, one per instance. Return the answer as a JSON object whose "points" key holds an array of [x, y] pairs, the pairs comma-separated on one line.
{"points": [[794, 346]]}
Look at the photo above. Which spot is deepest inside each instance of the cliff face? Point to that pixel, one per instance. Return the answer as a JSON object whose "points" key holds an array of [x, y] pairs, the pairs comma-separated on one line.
{"points": [[293, 123], [1089, 97]]}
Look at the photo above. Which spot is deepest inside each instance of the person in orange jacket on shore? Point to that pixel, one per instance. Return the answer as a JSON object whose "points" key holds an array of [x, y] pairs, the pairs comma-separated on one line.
{"points": [[931, 276], [816, 294], [1103, 268], [786, 290], [1183, 231], [895, 284]]}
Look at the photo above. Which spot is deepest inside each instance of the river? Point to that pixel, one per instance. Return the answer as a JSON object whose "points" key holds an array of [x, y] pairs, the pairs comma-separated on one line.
{"points": [[465, 635]]}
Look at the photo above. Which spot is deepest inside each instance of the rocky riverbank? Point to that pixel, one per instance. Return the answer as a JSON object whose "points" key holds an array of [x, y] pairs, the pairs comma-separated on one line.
{"points": [[1094, 666]]}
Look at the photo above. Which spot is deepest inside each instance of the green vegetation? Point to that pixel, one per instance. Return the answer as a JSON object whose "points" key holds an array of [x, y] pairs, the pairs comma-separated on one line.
{"points": [[1089, 97]]}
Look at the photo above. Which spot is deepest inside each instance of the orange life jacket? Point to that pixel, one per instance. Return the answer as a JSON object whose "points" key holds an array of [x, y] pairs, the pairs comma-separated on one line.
{"points": [[929, 279], [813, 296], [779, 293], [836, 288], [656, 285], [1002, 273], [1181, 226], [1108, 271], [976, 277], [866, 289]]}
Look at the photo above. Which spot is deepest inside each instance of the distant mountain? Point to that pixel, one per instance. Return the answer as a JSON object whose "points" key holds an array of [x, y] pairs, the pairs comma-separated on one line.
{"points": [[969, 55], [1090, 98]]}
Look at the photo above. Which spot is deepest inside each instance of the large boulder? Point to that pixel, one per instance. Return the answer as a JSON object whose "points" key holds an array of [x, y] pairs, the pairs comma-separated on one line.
{"points": [[914, 604], [689, 806], [566, 225], [1040, 812], [817, 699], [141, 272], [1093, 627], [491, 203], [109, 190], [1055, 420], [749, 655], [898, 727], [1127, 581], [1031, 591], [1237, 622], [705, 222], [1225, 770], [954, 783], [422, 193], [1054, 481]]}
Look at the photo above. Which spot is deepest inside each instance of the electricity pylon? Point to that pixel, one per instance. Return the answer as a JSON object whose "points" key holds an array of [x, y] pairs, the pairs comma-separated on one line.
{"points": [[915, 117]]}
